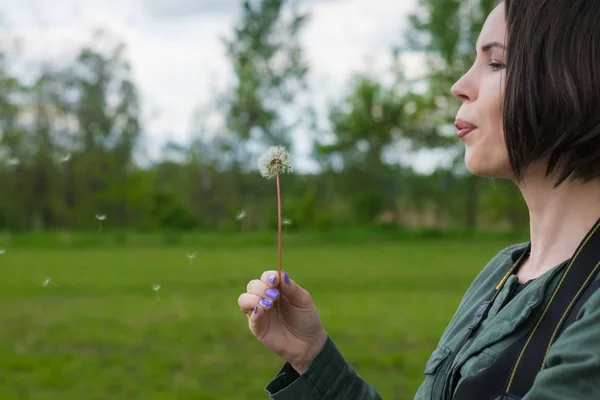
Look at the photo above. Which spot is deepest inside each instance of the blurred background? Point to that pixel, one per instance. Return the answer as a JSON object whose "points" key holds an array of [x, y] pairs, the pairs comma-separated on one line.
{"points": [[132, 214]]}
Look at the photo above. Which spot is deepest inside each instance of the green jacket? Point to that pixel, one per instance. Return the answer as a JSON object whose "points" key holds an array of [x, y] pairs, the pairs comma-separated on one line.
{"points": [[572, 370]]}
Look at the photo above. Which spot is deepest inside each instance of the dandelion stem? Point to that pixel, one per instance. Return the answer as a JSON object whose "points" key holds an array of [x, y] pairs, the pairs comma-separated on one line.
{"points": [[278, 236]]}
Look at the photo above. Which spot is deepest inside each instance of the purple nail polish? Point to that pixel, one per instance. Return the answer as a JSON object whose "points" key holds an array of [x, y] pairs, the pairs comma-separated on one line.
{"points": [[255, 309], [286, 277], [272, 293], [266, 303], [272, 279]]}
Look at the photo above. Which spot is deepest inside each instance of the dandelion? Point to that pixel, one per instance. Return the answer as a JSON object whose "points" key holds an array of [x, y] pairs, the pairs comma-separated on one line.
{"points": [[2, 251], [191, 256], [274, 162], [156, 288], [100, 217]]}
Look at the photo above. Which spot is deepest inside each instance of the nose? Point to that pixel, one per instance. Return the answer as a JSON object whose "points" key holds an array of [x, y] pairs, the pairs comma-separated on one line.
{"points": [[463, 89]]}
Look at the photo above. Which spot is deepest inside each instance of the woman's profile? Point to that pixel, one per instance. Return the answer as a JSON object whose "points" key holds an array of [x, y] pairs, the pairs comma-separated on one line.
{"points": [[528, 327]]}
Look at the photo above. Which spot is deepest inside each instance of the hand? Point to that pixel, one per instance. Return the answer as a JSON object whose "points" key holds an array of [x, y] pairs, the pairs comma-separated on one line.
{"points": [[296, 332]]}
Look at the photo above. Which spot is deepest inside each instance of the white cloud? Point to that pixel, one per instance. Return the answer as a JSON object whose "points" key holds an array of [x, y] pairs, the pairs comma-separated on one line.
{"points": [[187, 8]]}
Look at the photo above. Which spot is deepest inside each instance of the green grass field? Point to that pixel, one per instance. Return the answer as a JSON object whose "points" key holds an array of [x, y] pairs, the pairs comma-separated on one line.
{"points": [[97, 331]]}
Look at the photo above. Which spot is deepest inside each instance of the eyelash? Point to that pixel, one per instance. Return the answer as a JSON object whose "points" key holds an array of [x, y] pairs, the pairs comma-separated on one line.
{"points": [[497, 64]]}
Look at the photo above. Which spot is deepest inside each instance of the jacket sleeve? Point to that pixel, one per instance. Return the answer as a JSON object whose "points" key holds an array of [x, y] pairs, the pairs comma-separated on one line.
{"points": [[329, 377], [572, 369]]}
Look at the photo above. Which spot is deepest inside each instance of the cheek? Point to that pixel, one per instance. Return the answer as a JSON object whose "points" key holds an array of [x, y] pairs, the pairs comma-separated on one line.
{"points": [[492, 98], [486, 153]]}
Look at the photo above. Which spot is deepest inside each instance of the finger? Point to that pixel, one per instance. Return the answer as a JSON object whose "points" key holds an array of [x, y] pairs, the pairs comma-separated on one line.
{"points": [[248, 302], [271, 278], [255, 316], [261, 289]]}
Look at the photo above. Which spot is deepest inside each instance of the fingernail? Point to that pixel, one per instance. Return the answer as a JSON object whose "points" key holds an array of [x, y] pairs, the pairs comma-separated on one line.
{"points": [[272, 279], [286, 277], [255, 309], [266, 303], [272, 293]]}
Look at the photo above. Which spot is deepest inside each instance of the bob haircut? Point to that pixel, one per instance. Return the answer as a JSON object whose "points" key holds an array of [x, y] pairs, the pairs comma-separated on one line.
{"points": [[551, 107]]}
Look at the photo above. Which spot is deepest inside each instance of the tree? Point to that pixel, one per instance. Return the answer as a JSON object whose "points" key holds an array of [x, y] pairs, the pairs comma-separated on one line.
{"points": [[446, 32], [100, 97], [270, 71], [12, 150], [262, 108]]}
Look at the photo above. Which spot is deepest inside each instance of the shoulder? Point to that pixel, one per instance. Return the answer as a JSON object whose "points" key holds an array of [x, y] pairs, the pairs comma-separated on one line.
{"points": [[481, 287], [489, 276]]}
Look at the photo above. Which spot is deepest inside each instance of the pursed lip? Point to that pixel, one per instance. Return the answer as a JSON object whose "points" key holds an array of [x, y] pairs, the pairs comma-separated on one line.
{"points": [[463, 127]]}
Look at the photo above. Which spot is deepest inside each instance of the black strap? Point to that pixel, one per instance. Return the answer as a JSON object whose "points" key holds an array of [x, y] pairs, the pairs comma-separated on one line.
{"points": [[514, 371]]}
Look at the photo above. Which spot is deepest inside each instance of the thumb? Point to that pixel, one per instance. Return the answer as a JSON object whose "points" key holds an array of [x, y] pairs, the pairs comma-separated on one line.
{"points": [[295, 294]]}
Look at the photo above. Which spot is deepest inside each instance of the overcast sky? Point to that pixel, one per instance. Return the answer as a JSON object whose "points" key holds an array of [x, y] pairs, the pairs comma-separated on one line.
{"points": [[178, 60]]}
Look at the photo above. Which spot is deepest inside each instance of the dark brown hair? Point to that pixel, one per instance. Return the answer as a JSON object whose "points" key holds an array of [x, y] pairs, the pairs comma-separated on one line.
{"points": [[552, 98]]}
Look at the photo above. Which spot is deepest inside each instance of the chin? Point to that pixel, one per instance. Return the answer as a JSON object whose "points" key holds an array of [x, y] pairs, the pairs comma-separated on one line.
{"points": [[487, 168]]}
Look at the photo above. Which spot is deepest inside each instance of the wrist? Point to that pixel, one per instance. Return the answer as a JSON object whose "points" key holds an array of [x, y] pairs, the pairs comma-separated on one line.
{"points": [[301, 365]]}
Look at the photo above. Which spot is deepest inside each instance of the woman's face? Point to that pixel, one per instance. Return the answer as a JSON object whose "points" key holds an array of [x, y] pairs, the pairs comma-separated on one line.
{"points": [[481, 91]]}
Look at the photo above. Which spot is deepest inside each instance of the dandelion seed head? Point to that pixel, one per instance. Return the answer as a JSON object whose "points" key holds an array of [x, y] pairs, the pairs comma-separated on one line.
{"points": [[100, 217], [191, 255], [276, 160], [156, 287]]}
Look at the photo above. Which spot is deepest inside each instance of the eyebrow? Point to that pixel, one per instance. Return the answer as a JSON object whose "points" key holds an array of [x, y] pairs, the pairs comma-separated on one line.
{"points": [[488, 46]]}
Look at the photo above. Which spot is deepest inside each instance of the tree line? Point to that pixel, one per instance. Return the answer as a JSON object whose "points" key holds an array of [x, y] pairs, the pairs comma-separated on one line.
{"points": [[69, 139]]}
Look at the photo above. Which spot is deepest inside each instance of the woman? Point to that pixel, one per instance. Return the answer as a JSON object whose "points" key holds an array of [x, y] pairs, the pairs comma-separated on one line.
{"points": [[530, 113]]}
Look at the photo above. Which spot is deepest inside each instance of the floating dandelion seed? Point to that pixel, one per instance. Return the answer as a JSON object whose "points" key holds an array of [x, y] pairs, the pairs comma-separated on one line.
{"points": [[274, 162], [241, 215], [47, 282], [286, 222], [191, 256], [156, 288], [65, 159], [100, 217], [2, 251]]}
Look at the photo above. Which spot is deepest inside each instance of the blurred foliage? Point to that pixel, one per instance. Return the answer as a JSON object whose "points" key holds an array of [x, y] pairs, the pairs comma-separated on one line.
{"points": [[69, 140]]}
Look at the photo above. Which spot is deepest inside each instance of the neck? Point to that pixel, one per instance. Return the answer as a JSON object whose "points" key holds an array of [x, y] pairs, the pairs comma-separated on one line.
{"points": [[559, 219]]}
